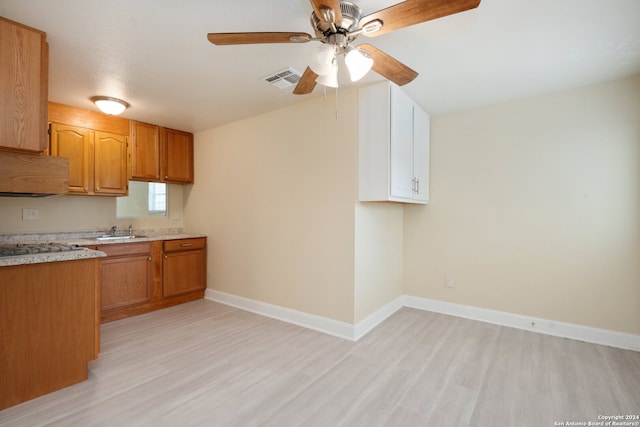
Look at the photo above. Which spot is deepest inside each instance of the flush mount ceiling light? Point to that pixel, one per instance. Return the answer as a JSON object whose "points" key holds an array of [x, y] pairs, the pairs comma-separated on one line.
{"points": [[109, 105]]}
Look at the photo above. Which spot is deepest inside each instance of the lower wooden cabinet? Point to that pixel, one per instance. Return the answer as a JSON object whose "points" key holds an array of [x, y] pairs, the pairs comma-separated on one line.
{"points": [[125, 275], [139, 277], [48, 327], [183, 266]]}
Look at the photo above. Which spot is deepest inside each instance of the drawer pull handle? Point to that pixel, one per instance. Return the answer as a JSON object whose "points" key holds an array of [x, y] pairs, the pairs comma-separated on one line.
{"points": [[186, 245]]}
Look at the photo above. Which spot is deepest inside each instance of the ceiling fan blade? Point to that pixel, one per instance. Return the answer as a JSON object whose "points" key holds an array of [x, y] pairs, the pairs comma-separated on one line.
{"points": [[318, 5], [389, 67], [411, 12], [252, 38], [307, 82]]}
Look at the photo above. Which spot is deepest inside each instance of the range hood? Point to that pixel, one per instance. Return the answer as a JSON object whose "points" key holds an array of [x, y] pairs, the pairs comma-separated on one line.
{"points": [[32, 175]]}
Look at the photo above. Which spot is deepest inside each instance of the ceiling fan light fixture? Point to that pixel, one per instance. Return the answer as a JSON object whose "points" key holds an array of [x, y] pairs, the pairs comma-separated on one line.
{"points": [[358, 64], [331, 78], [324, 59], [109, 105]]}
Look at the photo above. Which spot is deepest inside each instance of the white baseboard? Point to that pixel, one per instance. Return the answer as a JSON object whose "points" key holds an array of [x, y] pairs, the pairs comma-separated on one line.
{"points": [[367, 324], [359, 330], [310, 321], [533, 324], [306, 320]]}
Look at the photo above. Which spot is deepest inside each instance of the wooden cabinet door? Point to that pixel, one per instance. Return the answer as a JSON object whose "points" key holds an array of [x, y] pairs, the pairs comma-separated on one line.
{"points": [[23, 87], [177, 151], [125, 281], [183, 272], [145, 151], [76, 144], [110, 167]]}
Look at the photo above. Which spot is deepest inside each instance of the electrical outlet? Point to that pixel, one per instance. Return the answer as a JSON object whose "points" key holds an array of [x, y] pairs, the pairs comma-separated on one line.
{"points": [[449, 281], [30, 214]]}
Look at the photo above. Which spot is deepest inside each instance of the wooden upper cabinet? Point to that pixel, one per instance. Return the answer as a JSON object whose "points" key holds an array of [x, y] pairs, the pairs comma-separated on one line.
{"points": [[96, 146], [76, 144], [145, 151], [24, 61], [161, 154], [110, 167], [177, 156]]}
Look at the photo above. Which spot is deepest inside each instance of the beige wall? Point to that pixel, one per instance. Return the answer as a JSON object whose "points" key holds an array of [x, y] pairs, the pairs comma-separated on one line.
{"points": [[379, 256], [535, 208], [275, 194], [79, 213]]}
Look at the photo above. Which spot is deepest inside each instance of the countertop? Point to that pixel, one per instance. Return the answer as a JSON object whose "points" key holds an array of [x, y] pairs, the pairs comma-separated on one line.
{"points": [[82, 239], [50, 257]]}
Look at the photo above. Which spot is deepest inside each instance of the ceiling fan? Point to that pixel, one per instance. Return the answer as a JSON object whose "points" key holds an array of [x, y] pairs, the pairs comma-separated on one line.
{"points": [[337, 24]]}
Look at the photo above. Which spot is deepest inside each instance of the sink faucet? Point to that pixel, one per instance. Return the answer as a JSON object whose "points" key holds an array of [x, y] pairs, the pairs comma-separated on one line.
{"points": [[112, 230], [130, 231]]}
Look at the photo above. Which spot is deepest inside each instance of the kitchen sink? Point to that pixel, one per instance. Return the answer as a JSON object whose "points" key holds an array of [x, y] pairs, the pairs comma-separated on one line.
{"points": [[125, 237]]}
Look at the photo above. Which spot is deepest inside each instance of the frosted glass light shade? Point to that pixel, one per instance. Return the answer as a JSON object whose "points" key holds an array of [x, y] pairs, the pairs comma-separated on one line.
{"points": [[358, 64], [323, 60], [330, 79], [109, 105]]}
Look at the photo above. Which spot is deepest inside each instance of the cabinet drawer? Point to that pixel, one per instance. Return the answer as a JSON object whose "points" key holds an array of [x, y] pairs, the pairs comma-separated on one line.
{"points": [[184, 244], [126, 248]]}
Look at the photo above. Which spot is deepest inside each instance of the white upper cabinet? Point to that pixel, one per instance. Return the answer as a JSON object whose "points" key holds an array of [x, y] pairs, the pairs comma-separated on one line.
{"points": [[393, 146]]}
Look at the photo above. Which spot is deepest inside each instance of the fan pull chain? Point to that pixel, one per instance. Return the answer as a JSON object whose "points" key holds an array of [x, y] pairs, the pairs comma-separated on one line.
{"points": [[324, 92]]}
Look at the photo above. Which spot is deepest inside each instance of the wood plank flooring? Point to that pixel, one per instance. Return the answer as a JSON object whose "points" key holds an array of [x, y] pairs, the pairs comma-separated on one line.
{"points": [[207, 364]]}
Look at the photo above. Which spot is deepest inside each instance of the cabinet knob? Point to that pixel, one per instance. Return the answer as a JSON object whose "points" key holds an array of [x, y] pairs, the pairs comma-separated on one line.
{"points": [[149, 258], [166, 257]]}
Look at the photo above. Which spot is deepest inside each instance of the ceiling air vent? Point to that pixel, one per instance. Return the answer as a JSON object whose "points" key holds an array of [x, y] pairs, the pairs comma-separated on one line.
{"points": [[285, 79]]}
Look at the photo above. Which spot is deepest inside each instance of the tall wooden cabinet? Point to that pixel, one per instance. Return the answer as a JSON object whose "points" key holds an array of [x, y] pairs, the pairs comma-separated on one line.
{"points": [[24, 65], [393, 146]]}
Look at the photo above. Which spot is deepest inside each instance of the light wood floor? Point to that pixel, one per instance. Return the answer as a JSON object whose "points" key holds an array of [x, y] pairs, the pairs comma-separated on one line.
{"points": [[206, 364]]}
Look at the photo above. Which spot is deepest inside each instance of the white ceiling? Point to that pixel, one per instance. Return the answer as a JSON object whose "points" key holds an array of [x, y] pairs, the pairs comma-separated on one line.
{"points": [[155, 54]]}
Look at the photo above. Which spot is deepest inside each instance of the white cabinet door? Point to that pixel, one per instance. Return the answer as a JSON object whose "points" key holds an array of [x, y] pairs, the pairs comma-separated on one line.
{"points": [[393, 149], [421, 154], [401, 178]]}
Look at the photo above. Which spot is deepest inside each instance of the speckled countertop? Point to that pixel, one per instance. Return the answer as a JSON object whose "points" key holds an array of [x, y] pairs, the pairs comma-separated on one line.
{"points": [[82, 239], [50, 257]]}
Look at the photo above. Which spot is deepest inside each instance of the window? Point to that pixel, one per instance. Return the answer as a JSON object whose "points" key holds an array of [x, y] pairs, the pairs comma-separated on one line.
{"points": [[157, 198], [145, 200]]}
